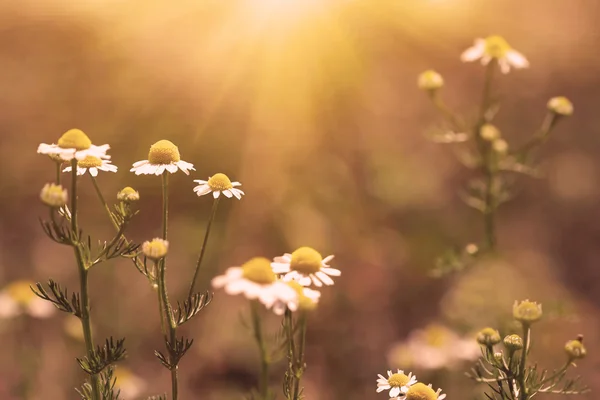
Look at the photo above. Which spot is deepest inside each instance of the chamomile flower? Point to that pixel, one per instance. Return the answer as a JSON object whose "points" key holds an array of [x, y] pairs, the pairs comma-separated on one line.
{"points": [[306, 266], [217, 184], [163, 156], [130, 385], [397, 383], [74, 144], [256, 280], [305, 300], [93, 165], [420, 391], [495, 47], [17, 298]]}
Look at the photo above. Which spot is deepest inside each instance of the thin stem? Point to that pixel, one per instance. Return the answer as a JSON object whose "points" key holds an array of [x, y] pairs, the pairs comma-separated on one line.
{"points": [[263, 386], [540, 136], [58, 171], [104, 203], [523, 363], [446, 112], [162, 286], [300, 360], [203, 248], [83, 280]]}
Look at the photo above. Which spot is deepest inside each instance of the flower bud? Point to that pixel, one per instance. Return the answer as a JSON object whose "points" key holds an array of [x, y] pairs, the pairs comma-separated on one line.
{"points": [[513, 342], [155, 249], [488, 337], [561, 106], [498, 357], [575, 349], [500, 146], [430, 80], [527, 311], [53, 195], [127, 195], [489, 132]]}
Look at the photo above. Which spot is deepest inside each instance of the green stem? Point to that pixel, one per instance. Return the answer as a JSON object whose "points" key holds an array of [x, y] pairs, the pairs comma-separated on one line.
{"points": [[83, 281], [203, 248], [540, 136], [446, 112], [162, 286], [58, 171], [104, 203], [300, 360], [263, 386], [523, 364]]}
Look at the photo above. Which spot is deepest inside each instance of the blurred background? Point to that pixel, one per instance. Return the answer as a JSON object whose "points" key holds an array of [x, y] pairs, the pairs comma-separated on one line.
{"points": [[313, 106]]}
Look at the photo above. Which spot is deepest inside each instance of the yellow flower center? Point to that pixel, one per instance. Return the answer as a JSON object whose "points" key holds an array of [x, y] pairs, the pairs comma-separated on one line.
{"points": [[430, 80], [128, 194], [259, 270], [21, 292], [155, 249], [398, 380], [436, 336], [74, 139], [163, 152], [496, 46], [420, 391], [527, 311], [304, 302], [219, 182], [306, 260], [89, 162]]}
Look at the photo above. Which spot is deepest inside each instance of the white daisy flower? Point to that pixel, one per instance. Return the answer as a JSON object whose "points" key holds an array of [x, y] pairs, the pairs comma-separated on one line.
{"points": [[306, 299], [130, 385], [495, 47], [17, 298], [93, 164], [155, 249], [256, 280], [74, 144], [306, 266], [163, 156], [53, 195], [397, 383], [217, 184], [420, 391]]}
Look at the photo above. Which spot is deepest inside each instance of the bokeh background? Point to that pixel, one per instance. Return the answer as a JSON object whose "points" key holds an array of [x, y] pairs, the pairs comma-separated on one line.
{"points": [[313, 106]]}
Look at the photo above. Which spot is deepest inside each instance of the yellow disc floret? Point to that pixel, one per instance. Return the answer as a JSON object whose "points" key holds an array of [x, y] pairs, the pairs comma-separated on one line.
{"points": [[155, 249], [575, 349], [560, 105], [496, 46], [163, 152], [89, 162], [53, 195], [527, 311], [74, 139], [259, 270], [430, 80], [219, 182], [420, 391], [398, 380], [20, 292], [306, 260], [488, 337]]}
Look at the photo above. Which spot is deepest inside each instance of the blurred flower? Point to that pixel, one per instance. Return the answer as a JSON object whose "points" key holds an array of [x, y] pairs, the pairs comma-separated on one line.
{"points": [[73, 328], [489, 132], [433, 347], [575, 349], [256, 280], [163, 155], [472, 249], [216, 184], [17, 298], [155, 249], [397, 383], [128, 195], [500, 146], [495, 47], [560, 105], [53, 195], [419, 391], [93, 164], [527, 311], [430, 80], [74, 144], [130, 385], [488, 337], [307, 299], [305, 265]]}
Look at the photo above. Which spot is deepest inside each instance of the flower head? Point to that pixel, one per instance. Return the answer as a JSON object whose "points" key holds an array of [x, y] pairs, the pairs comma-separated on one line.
{"points": [[489, 132], [527, 311], [217, 184], [307, 298], [430, 80], [397, 383], [53, 195], [74, 144], [305, 265], [500, 146], [513, 342], [560, 105], [18, 298], [419, 391], [155, 249], [575, 349], [163, 156], [93, 164], [495, 48], [488, 337], [128, 194], [256, 280]]}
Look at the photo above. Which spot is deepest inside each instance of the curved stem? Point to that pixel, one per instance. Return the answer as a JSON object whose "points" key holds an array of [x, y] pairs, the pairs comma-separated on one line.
{"points": [[263, 386], [203, 248], [83, 280], [104, 203]]}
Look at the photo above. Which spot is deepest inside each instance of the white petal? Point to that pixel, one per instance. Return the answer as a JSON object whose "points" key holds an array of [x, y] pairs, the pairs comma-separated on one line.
{"points": [[395, 391], [324, 278], [280, 268], [332, 271], [227, 193], [94, 172], [237, 193], [201, 190], [140, 163], [475, 52], [328, 258], [216, 194], [504, 65], [235, 184], [315, 280], [201, 182], [517, 59], [160, 169], [172, 168], [68, 169]]}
